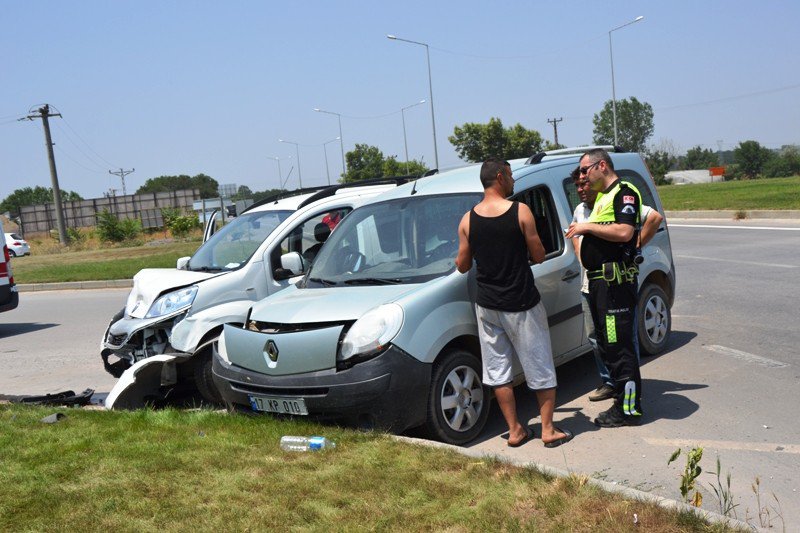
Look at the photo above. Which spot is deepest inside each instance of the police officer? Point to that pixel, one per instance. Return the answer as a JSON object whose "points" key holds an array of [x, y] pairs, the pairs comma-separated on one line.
{"points": [[610, 256]]}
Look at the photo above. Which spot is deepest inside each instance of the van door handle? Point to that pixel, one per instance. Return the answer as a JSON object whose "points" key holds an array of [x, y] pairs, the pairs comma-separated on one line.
{"points": [[570, 275]]}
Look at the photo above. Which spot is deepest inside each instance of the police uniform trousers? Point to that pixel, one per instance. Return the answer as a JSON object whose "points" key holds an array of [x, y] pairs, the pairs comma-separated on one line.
{"points": [[613, 306]]}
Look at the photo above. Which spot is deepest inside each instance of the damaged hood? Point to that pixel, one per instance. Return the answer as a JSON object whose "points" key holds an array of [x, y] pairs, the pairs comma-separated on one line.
{"points": [[296, 306], [150, 283]]}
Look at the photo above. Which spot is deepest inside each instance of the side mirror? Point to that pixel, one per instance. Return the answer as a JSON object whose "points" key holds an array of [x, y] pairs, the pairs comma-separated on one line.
{"points": [[293, 262], [182, 263]]}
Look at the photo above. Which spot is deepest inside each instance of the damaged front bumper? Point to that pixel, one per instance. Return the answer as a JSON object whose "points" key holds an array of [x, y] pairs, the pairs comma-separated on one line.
{"points": [[133, 340]]}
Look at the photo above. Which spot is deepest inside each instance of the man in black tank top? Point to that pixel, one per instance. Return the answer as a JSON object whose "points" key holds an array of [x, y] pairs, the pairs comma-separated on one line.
{"points": [[512, 322]]}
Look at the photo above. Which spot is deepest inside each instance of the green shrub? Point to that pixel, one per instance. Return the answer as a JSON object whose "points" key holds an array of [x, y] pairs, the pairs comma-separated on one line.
{"points": [[76, 235], [181, 225], [110, 228]]}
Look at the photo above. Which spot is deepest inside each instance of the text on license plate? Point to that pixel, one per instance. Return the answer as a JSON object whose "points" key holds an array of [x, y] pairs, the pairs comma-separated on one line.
{"points": [[271, 404]]}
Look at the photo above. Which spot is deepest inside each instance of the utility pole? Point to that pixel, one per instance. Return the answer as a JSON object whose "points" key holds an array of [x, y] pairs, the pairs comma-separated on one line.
{"points": [[122, 173], [45, 114], [555, 122]]}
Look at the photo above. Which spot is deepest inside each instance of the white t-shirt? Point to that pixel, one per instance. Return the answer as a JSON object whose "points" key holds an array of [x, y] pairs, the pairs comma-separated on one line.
{"points": [[581, 214]]}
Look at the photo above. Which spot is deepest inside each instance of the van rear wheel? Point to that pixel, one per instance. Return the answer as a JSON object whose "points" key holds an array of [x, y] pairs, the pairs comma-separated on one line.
{"points": [[458, 403], [653, 319]]}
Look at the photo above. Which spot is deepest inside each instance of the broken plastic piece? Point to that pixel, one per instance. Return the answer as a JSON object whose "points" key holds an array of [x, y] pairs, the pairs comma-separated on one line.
{"points": [[52, 419], [68, 398]]}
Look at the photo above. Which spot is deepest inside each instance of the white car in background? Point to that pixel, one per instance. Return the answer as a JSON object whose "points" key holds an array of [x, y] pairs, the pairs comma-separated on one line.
{"points": [[17, 246]]}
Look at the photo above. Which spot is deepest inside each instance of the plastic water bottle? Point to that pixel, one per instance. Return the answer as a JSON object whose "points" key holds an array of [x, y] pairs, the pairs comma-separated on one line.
{"points": [[290, 443]]}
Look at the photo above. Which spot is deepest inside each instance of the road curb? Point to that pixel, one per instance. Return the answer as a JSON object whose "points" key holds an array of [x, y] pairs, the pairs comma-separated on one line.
{"points": [[627, 492], [75, 285]]}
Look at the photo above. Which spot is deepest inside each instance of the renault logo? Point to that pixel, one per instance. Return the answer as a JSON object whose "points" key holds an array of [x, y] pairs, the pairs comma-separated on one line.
{"points": [[272, 351]]}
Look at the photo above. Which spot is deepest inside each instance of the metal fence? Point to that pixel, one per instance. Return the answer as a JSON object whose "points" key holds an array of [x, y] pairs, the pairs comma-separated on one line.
{"points": [[83, 213]]}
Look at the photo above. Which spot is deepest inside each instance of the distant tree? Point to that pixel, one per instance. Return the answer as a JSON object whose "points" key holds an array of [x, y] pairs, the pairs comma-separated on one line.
{"points": [[208, 186], [660, 162], [242, 192], [634, 124], [751, 157], [698, 158], [478, 142], [393, 167], [785, 163], [33, 196], [364, 162], [261, 195]]}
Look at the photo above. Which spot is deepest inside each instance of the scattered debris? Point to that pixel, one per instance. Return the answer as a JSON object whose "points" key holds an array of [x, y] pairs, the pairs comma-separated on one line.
{"points": [[52, 419], [68, 398]]}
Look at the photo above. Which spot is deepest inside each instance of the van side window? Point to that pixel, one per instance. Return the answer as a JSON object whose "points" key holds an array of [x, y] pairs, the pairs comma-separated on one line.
{"points": [[540, 200], [307, 238], [571, 190]]}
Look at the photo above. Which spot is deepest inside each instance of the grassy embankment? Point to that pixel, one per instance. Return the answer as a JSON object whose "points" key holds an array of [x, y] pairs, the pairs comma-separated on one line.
{"points": [[775, 193], [206, 471]]}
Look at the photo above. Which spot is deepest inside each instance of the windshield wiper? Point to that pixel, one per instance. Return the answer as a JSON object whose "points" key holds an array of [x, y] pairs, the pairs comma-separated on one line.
{"points": [[323, 282], [373, 281], [206, 269]]}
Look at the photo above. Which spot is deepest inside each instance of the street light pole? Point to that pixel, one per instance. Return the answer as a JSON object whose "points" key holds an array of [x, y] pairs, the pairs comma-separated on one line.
{"points": [[430, 90], [613, 88], [325, 149], [402, 114], [341, 141], [297, 150], [280, 176]]}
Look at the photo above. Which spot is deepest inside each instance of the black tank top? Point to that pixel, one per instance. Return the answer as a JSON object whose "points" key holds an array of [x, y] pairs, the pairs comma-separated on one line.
{"points": [[505, 280]]}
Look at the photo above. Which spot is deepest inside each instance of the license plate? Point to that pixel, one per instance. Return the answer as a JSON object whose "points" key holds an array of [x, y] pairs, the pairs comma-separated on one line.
{"points": [[273, 404]]}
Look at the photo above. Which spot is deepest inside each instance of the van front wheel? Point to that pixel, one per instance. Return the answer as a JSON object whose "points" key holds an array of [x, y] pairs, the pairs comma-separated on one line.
{"points": [[458, 403], [203, 378]]}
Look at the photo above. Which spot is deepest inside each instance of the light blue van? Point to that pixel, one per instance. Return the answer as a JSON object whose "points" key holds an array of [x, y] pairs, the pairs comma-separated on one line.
{"points": [[382, 332]]}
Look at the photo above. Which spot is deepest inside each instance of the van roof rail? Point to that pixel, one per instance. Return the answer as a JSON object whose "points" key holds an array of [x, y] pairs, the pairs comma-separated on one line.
{"points": [[537, 158], [282, 195], [332, 189]]}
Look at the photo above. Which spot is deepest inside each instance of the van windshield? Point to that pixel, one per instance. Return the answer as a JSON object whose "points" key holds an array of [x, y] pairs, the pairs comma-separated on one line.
{"points": [[407, 240], [234, 244]]}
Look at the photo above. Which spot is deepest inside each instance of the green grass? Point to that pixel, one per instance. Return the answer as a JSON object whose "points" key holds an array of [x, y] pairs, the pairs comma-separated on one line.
{"points": [[774, 193], [101, 264], [202, 471]]}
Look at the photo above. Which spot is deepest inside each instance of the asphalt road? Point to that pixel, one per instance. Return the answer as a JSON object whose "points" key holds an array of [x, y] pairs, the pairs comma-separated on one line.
{"points": [[728, 381]]}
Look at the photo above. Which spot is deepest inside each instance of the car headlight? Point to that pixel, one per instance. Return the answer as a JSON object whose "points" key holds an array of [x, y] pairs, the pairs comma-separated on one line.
{"points": [[172, 302], [372, 332]]}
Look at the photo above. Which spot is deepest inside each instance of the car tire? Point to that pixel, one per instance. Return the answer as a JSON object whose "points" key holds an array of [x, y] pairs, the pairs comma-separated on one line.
{"points": [[653, 319], [457, 413], [203, 377], [12, 253]]}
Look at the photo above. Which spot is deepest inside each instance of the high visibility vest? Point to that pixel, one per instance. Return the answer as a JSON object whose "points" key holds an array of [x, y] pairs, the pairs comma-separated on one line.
{"points": [[603, 211]]}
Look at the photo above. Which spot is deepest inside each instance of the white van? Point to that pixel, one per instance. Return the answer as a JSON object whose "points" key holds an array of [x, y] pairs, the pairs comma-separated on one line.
{"points": [[382, 330], [164, 336], [9, 297]]}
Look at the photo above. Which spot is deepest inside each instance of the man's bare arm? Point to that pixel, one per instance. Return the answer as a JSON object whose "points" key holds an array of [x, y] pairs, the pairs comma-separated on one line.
{"points": [[464, 257], [650, 227], [614, 232], [528, 226]]}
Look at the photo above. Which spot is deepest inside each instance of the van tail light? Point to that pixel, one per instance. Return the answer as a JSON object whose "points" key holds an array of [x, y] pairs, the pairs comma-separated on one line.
{"points": [[5, 267]]}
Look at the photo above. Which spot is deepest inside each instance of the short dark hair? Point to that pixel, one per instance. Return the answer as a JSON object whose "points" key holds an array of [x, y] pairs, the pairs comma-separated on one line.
{"points": [[489, 171], [599, 154], [575, 174]]}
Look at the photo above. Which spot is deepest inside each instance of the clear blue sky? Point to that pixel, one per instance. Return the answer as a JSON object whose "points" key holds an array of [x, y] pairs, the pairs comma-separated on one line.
{"points": [[184, 87]]}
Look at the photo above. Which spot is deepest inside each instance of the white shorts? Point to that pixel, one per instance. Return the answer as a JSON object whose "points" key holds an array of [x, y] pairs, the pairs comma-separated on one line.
{"points": [[524, 335]]}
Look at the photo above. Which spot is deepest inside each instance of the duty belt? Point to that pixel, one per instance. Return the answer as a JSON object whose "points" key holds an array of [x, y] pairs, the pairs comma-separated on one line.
{"points": [[615, 273]]}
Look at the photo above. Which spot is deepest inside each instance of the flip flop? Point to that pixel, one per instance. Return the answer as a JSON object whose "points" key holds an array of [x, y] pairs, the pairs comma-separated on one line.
{"points": [[563, 440], [525, 439]]}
